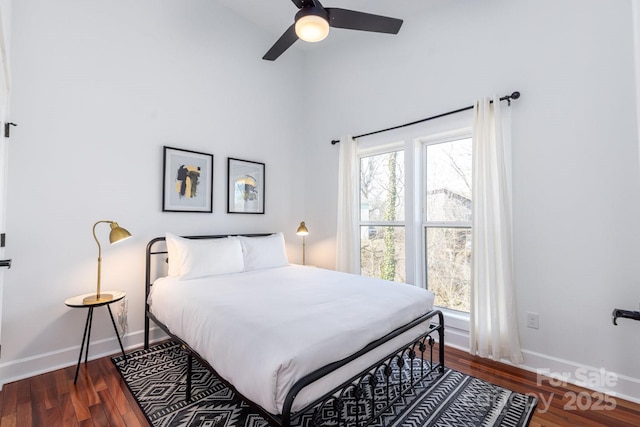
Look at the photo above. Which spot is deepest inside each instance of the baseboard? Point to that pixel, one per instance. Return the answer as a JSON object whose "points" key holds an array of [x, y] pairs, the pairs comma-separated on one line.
{"points": [[456, 338], [35, 365], [558, 371]]}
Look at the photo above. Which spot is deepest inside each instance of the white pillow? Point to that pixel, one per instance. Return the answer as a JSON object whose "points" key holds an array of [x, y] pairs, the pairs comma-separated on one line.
{"points": [[264, 252], [173, 254], [203, 257]]}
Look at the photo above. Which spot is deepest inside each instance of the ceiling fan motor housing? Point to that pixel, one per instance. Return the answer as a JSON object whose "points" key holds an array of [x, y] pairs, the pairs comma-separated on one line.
{"points": [[312, 10], [312, 24]]}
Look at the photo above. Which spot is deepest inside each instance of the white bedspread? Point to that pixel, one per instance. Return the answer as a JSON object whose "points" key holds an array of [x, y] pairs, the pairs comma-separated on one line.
{"points": [[263, 330]]}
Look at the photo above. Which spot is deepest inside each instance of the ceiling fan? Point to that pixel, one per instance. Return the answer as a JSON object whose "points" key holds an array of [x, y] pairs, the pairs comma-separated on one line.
{"points": [[313, 20]]}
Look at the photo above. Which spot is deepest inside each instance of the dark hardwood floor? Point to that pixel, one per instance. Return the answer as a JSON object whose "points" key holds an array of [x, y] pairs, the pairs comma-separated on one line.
{"points": [[100, 398], [564, 405]]}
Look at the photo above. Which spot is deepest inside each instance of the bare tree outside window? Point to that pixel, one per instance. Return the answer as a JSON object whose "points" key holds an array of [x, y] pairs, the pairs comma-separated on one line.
{"points": [[382, 232], [447, 227]]}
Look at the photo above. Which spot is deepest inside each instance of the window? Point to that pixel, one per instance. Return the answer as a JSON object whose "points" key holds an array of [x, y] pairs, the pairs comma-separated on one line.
{"points": [[415, 214], [382, 216], [446, 227]]}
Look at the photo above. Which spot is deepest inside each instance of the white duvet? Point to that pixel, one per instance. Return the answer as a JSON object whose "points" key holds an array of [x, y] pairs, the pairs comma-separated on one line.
{"points": [[263, 330]]}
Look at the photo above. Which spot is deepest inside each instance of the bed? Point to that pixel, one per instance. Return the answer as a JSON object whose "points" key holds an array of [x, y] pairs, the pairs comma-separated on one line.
{"points": [[293, 341]]}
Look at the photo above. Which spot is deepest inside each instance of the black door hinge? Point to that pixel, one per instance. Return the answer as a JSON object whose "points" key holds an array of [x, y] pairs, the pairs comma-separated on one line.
{"points": [[7, 129]]}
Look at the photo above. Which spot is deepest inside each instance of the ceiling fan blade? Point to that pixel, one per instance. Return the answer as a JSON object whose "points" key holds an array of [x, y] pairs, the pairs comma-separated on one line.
{"points": [[284, 42], [353, 20]]}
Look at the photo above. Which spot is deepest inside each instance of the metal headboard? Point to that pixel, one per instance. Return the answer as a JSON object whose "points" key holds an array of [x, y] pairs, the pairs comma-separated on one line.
{"points": [[156, 248]]}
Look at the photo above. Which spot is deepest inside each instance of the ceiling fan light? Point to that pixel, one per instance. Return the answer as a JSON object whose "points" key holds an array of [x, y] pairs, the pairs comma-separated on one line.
{"points": [[312, 28]]}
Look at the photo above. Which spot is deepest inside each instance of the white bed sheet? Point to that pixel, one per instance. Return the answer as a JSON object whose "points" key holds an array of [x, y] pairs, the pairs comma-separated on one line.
{"points": [[263, 330]]}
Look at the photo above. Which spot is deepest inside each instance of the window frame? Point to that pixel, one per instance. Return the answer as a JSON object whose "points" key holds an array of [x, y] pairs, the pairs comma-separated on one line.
{"points": [[411, 140], [455, 318], [376, 150]]}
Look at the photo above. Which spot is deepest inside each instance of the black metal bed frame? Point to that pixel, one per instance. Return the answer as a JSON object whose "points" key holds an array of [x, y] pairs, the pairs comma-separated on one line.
{"points": [[359, 386]]}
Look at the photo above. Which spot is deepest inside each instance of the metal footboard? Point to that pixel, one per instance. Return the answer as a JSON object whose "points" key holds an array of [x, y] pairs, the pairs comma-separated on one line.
{"points": [[418, 355]]}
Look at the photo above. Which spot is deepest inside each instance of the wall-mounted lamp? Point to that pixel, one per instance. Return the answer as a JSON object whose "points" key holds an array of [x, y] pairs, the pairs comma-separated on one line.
{"points": [[117, 234], [302, 231]]}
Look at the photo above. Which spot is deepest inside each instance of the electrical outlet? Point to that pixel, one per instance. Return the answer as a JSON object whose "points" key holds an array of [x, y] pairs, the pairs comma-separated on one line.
{"points": [[532, 320]]}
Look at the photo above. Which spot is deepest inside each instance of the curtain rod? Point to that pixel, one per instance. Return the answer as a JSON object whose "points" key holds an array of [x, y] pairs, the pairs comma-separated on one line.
{"points": [[508, 98]]}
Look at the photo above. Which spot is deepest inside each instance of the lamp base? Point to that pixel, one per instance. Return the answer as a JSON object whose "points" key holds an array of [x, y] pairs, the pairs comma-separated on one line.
{"points": [[94, 299]]}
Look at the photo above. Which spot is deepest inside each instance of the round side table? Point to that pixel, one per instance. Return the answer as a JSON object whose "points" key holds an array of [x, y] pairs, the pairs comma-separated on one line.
{"points": [[83, 301]]}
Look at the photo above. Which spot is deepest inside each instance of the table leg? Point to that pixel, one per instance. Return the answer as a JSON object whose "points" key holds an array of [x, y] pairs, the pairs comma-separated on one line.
{"points": [[115, 328], [86, 354], [84, 336]]}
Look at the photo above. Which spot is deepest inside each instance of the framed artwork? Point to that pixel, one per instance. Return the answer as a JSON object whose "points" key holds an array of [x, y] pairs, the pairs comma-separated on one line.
{"points": [[187, 181], [245, 186]]}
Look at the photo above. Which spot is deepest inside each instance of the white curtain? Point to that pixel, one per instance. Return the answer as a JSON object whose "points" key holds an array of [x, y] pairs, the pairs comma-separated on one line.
{"points": [[346, 252], [494, 326]]}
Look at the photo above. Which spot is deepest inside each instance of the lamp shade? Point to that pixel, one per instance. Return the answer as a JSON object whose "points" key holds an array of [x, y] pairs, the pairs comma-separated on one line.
{"points": [[302, 230], [118, 233], [312, 24]]}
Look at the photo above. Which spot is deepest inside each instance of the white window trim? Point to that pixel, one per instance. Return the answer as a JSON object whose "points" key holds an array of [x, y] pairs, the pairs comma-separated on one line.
{"points": [[368, 150], [453, 318]]}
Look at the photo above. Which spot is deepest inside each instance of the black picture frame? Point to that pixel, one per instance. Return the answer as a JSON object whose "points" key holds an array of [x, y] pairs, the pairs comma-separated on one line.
{"points": [[245, 186], [187, 181]]}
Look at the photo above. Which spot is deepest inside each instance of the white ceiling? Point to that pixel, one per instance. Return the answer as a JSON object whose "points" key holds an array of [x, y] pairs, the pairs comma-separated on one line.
{"points": [[275, 16]]}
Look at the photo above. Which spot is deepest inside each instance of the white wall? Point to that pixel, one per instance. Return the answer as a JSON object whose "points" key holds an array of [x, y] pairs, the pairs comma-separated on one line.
{"points": [[99, 88], [635, 5], [575, 152]]}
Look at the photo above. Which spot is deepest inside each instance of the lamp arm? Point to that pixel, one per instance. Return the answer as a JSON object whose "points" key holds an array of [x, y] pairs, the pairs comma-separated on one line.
{"points": [[99, 253]]}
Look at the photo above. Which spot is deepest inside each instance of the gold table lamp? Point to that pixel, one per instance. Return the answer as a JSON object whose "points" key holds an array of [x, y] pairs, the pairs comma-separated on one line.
{"points": [[117, 234], [302, 231]]}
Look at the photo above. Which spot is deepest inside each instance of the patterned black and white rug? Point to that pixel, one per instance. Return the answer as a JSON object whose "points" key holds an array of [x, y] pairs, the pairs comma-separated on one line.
{"points": [[156, 377]]}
